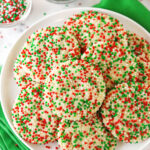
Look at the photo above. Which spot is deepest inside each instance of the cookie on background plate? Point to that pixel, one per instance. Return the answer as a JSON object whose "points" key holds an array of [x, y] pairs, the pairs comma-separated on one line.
{"points": [[32, 120], [126, 112], [138, 44], [89, 134], [74, 89], [42, 50], [141, 48]]}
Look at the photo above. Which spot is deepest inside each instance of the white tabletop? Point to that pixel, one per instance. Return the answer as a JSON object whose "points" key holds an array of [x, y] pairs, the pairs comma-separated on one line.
{"points": [[40, 8]]}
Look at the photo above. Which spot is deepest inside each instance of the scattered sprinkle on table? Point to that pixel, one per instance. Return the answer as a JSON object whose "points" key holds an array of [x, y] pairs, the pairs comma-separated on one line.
{"points": [[44, 13]]}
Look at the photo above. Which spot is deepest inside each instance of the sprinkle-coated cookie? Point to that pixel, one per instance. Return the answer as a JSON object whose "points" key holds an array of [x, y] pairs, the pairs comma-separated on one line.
{"points": [[75, 88], [141, 48], [144, 64], [88, 134], [138, 44], [89, 26], [32, 119], [104, 54], [43, 49], [126, 112], [123, 69], [21, 78]]}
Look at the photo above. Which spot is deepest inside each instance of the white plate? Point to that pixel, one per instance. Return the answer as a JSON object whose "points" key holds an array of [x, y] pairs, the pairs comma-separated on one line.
{"points": [[9, 89]]}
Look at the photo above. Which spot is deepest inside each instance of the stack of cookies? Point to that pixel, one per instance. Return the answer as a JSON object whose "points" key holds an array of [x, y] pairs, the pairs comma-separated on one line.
{"points": [[85, 84]]}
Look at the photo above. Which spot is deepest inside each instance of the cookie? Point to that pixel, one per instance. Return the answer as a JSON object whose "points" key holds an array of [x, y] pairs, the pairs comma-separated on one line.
{"points": [[144, 68], [88, 134], [141, 48], [32, 120], [89, 26], [75, 88], [125, 112], [104, 54], [42, 50], [21, 79], [138, 44], [123, 69]]}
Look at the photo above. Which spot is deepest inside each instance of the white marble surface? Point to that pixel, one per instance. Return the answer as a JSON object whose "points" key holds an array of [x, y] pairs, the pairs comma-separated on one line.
{"points": [[40, 8]]}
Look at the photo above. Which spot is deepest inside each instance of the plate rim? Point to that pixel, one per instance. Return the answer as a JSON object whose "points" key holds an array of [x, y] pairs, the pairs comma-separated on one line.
{"points": [[33, 26]]}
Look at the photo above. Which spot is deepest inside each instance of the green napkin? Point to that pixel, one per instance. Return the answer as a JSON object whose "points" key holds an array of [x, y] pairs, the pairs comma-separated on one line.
{"points": [[8, 140], [130, 8]]}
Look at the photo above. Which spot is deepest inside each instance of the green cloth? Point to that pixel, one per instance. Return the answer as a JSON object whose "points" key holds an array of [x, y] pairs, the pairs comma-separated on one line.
{"points": [[130, 8], [8, 140]]}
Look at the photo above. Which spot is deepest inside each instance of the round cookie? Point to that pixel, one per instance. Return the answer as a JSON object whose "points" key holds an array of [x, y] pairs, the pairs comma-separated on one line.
{"points": [[123, 69], [42, 50], [144, 66], [104, 54], [141, 49], [75, 88], [32, 120], [125, 112], [88, 134], [89, 26], [31, 61], [138, 44]]}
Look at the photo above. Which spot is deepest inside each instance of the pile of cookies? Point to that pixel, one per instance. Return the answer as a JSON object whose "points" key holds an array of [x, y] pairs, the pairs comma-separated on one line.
{"points": [[85, 84]]}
